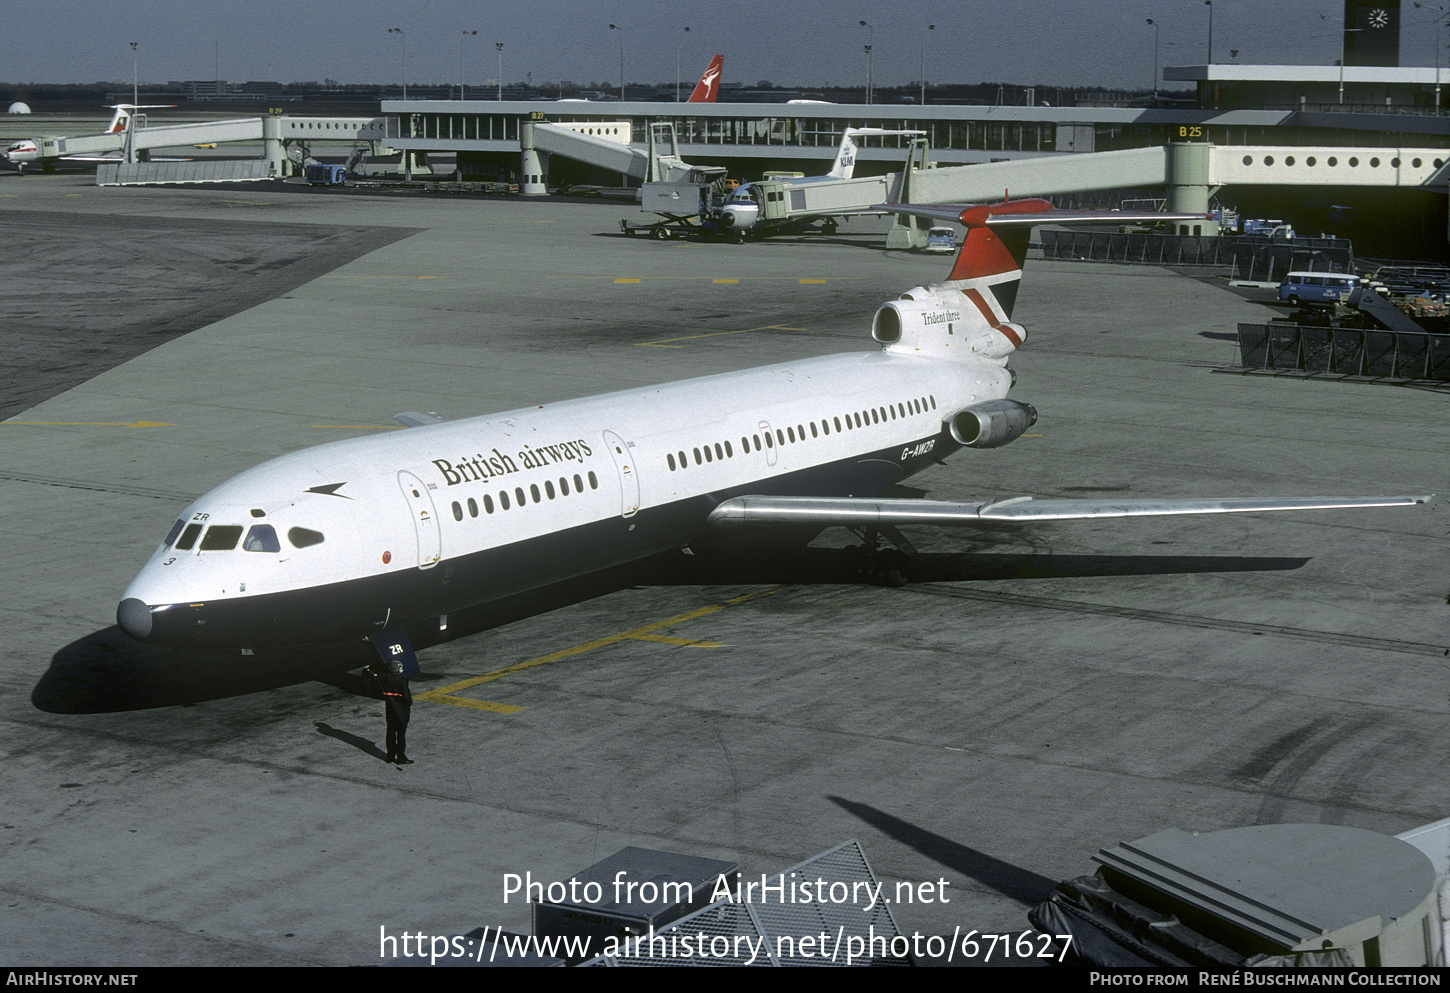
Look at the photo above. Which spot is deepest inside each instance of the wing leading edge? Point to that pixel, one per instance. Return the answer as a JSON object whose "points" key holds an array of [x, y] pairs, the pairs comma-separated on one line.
{"points": [[863, 512]]}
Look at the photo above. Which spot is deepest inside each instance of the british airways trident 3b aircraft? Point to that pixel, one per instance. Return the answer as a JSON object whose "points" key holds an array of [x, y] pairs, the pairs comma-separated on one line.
{"points": [[358, 537]]}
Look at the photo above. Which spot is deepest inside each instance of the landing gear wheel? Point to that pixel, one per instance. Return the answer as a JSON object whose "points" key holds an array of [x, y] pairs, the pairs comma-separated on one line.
{"points": [[828, 228], [880, 566], [892, 567]]}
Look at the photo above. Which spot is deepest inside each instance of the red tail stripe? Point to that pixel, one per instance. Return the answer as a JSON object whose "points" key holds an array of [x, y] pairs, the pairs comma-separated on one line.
{"points": [[980, 302], [975, 295]]}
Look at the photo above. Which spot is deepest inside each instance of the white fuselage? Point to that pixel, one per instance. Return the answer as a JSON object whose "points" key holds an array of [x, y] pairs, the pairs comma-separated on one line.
{"points": [[351, 537]]}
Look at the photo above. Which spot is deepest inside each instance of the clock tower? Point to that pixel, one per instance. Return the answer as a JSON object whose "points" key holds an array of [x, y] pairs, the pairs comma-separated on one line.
{"points": [[1371, 32]]}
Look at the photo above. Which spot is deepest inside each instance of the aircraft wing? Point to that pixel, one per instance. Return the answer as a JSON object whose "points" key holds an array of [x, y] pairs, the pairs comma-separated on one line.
{"points": [[865, 512], [417, 419]]}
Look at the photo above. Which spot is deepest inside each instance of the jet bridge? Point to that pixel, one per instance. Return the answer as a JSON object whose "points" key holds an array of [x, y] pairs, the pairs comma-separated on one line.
{"points": [[133, 146], [651, 163], [1191, 172]]}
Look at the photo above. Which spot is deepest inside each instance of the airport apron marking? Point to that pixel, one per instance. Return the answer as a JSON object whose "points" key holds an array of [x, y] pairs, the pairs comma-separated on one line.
{"points": [[445, 694]]}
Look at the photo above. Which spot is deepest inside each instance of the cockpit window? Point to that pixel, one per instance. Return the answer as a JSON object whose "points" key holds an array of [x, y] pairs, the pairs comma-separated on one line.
{"points": [[221, 537], [171, 535], [302, 538], [262, 538], [188, 538]]}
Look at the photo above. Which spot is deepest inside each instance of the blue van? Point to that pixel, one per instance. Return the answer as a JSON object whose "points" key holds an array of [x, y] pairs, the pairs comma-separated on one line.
{"points": [[941, 240], [1325, 288]]}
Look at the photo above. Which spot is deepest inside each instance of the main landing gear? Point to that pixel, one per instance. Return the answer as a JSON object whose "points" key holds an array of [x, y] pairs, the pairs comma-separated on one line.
{"points": [[868, 562]]}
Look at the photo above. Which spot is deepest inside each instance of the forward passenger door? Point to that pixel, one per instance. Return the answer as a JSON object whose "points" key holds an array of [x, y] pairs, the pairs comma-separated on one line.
{"points": [[425, 519]]}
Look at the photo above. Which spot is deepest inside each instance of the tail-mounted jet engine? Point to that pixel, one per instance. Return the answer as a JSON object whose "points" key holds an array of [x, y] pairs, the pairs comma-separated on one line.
{"points": [[944, 324], [992, 423]]}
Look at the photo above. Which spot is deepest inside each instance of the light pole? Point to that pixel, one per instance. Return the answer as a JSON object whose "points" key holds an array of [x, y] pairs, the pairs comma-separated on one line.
{"points": [[678, 35], [499, 46], [135, 88], [460, 62], [616, 27], [929, 27], [1209, 5], [869, 45], [1340, 61], [1155, 60], [399, 33], [1439, 20]]}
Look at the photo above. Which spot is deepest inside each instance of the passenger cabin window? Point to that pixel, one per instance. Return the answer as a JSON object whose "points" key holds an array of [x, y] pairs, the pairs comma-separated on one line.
{"points": [[262, 538], [303, 538]]}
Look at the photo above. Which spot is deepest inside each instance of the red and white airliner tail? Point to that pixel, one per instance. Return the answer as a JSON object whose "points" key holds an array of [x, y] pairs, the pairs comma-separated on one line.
{"points": [[988, 268], [708, 88], [121, 119]]}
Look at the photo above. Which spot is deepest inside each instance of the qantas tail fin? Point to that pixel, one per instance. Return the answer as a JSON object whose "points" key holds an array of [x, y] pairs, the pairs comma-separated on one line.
{"points": [[708, 88]]}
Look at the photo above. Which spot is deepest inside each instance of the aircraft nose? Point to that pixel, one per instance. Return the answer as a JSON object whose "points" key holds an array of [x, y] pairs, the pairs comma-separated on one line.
{"points": [[134, 617]]}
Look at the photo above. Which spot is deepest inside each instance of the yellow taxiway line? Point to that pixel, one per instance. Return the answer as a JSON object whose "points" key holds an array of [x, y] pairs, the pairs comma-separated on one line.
{"points": [[446, 694]]}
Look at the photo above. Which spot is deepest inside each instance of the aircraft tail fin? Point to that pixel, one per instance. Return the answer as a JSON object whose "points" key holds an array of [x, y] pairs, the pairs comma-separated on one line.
{"points": [[845, 163], [121, 119], [708, 88], [988, 267]]}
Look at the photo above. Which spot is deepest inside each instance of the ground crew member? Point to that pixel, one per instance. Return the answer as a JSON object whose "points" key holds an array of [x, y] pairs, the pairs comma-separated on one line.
{"points": [[398, 702]]}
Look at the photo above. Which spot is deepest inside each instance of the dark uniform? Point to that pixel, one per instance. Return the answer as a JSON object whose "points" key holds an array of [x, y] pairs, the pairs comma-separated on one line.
{"points": [[398, 701]]}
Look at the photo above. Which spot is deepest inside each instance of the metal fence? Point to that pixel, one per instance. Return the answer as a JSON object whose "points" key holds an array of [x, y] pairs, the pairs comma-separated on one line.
{"points": [[1294, 349], [1257, 259], [199, 171]]}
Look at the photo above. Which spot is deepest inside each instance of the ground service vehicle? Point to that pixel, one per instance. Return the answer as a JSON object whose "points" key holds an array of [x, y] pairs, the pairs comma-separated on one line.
{"points": [[1322, 288]]}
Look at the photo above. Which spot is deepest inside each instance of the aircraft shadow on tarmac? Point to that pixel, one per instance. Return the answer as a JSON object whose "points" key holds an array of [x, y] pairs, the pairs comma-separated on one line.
{"points": [[107, 672], [1010, 880]]}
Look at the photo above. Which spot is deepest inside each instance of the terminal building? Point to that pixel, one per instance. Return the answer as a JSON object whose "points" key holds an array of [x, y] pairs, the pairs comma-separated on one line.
{"points": [[1263, 107]]}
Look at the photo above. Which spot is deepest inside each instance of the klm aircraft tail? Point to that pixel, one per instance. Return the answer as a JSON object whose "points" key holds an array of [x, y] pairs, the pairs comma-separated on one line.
{"points": [[845, 164]]}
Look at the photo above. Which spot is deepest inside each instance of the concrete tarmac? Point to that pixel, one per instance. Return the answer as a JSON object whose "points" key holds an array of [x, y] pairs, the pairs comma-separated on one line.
{"points": [[1038, 693]]}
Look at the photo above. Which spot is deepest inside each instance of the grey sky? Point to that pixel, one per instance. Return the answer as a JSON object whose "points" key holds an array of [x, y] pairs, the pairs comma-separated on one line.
{"points": [[789, 42]]}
